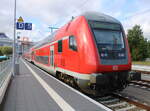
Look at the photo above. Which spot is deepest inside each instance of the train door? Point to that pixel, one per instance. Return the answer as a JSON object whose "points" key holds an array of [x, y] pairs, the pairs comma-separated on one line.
{"points": [[73, 55], [52, 56]]}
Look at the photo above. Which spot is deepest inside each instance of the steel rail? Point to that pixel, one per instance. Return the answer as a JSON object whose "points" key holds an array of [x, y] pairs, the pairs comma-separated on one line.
{"points": [[137, 103], [141, 83], [142, 72]]}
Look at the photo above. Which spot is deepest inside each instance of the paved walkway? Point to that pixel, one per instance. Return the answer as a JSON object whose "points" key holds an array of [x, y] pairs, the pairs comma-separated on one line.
{"points": [[35, 90]]}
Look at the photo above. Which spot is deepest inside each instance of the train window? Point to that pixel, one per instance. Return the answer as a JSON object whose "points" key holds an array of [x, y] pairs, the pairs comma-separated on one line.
{"points": [[72, 43], [60, 46], [42, 59]]}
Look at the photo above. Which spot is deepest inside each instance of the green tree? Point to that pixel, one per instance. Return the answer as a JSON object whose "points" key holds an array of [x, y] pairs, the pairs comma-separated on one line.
{"points": [[6, 50], [137, 43], [1, 51], [148, 48]]}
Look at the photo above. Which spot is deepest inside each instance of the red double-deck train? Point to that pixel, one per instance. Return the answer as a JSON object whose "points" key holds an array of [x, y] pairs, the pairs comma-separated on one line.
{"points": [[91, 51]]}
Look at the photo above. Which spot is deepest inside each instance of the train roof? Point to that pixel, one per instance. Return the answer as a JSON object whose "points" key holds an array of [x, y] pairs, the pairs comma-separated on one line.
{"points": [[96, 16]]}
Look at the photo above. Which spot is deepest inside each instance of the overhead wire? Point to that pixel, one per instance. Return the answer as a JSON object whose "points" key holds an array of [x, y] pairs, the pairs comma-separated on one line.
{"points": [[137, 13], [75, 10], [125, 19]]}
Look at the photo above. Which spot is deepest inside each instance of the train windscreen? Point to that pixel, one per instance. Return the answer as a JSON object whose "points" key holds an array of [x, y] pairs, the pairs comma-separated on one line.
{"points": [[109, 39]]}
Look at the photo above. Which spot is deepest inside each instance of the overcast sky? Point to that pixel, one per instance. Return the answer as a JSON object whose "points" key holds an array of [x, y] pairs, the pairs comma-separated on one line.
{"points": [[45, 13]]}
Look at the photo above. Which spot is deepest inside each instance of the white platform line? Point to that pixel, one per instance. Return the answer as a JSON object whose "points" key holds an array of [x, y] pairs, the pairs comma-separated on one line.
{"points": [[76, 91], [58, 99]]}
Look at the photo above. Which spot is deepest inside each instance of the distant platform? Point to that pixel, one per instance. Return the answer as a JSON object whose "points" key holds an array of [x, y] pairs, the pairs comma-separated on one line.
{"points": [[141, 68]]}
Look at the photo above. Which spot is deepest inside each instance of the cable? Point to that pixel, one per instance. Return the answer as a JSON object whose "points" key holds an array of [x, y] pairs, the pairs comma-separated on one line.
{"points": [[137, 13], [82, 4]]}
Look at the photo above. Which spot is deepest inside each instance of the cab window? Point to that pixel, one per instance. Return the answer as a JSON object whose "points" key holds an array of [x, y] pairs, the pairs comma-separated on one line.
{"points": [[72, 43], [60, 46]]}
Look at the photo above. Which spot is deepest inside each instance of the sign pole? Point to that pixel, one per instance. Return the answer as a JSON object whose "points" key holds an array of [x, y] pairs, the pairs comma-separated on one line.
{"points": [[14, 42]]}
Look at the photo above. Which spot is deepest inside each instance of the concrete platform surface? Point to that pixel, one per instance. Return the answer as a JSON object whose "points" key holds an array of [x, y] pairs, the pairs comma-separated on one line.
{"points": [[35, 90]]}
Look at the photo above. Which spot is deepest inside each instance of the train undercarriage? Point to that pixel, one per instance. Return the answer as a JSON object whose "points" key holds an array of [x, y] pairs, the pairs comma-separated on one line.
{"points": [[103, 84]]}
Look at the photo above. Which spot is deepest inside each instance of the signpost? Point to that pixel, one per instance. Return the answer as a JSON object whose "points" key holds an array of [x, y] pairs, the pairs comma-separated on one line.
{"points": [[23, 26], [14, 41], [20, 25]]}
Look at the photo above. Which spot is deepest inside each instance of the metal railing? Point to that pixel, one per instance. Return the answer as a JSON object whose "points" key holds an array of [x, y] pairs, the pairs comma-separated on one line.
{"points": [[5, 69]]}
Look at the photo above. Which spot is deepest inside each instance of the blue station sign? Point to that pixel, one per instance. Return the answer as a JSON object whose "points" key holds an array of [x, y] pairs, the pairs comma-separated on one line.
{"points": [[24, 26], [28, 26], [20, 25]]}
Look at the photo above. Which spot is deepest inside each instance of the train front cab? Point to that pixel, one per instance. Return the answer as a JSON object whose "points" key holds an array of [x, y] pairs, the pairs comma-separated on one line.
{"points": [[105, 57]]}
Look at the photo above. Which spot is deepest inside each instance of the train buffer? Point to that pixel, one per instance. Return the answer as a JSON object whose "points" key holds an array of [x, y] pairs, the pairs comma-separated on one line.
{"points": [[35, 90]]}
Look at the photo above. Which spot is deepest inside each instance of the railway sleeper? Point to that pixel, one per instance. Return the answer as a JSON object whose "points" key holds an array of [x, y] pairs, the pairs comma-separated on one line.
{"points": [[127, 108], [110, 101], [118, 104]]}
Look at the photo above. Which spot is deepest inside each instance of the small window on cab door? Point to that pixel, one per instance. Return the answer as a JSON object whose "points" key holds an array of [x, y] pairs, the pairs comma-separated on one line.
{"points": [[72, 43]]}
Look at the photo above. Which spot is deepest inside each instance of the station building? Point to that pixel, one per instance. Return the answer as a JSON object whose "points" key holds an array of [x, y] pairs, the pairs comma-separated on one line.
{"points": [[5, 40], [24, 44]]}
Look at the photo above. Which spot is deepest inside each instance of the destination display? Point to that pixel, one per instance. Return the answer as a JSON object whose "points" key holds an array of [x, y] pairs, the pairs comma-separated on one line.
{"points": [[103, 25]]}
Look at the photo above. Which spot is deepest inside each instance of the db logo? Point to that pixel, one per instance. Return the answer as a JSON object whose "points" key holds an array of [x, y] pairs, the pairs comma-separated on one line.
{"points": [[115, 67]]}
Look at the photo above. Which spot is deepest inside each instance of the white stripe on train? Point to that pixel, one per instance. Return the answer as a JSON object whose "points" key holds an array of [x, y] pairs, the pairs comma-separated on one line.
{"points": [[71, 73]]}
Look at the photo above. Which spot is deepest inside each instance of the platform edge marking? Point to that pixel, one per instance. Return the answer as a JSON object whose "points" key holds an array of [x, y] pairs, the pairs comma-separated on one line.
{"points": [[58, 99]]}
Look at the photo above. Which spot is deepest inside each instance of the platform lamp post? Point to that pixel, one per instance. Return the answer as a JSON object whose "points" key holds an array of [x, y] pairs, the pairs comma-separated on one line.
{"points": [[14, 41]]}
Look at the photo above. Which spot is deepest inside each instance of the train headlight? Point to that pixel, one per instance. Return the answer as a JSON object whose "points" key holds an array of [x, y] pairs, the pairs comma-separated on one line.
{"points": [[121, 55], [104, 54]]}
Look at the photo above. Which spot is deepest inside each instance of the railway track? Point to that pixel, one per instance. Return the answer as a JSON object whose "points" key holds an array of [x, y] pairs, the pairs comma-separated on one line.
{"points": [[118, 102], [142, 72], [143, 84]]}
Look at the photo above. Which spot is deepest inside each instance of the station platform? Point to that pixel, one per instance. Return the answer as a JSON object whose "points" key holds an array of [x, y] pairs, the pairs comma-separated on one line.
{"points": [[35, 90], [141, 68]]}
